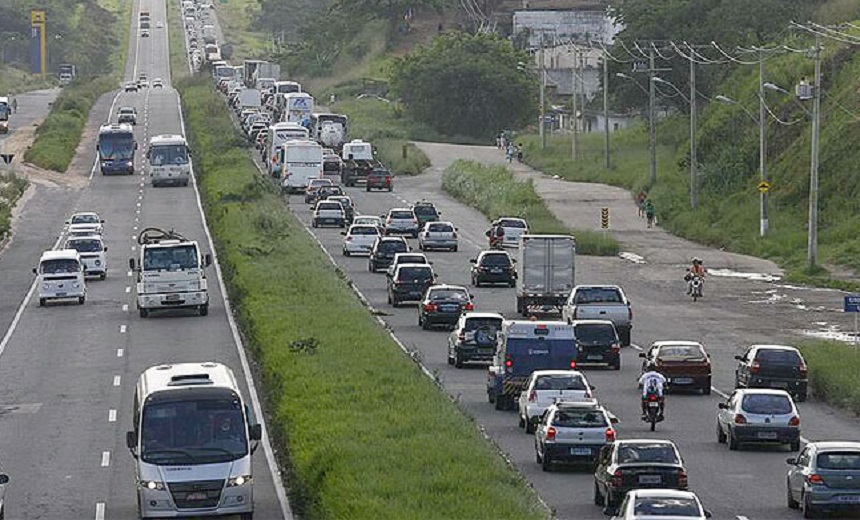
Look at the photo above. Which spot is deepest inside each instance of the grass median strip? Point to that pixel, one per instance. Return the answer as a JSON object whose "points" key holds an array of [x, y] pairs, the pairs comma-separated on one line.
{"points": [[833, 369], [495, 192], [11, 189], [367, 435]]}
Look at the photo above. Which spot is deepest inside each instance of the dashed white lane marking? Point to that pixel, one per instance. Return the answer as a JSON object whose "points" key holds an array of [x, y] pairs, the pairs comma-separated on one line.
{"points": [[111, 415], [129, 273], [742, 517], [636, 347], [119, 352], [117, 380], [128, 289], [100, 511], [124, 307], [105, 459], [122, 329]]}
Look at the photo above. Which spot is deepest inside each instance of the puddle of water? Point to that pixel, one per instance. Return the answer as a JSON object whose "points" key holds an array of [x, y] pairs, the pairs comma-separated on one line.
{"points": [[773, 297], [729, 273], [632, 257], [802, 288], [831, 333]]}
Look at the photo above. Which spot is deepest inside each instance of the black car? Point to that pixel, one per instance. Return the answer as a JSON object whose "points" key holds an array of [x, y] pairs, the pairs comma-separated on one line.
{"points": [[773, 366], [409, 283], [443, 305], [493, 267], [325, 192], [597, 343], [636, 464], [474, 338], [383, 252], [346, 202], [425, 212]]}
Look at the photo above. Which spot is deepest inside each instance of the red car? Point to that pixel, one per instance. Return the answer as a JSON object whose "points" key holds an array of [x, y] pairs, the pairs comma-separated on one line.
{"points": [[379, 180], [686, 364]]}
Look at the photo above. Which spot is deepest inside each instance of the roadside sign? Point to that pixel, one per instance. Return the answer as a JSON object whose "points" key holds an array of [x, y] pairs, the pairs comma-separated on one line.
{"points": [[852, 303], [764, 186], [7, 157], [604, 218]]}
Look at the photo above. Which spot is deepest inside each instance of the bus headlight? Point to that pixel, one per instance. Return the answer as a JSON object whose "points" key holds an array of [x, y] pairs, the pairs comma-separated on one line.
{"points": [[239, 481], [152, 485]]}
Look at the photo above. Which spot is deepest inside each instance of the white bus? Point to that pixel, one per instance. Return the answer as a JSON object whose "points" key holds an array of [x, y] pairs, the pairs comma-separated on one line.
{"points": [[168, 160], [302, 161], [299, 107], [192, 439], [278, 134]]}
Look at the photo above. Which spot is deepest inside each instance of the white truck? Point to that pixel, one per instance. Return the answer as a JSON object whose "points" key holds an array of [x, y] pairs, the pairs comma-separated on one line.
{"points": [[329, 130], [302, 161], [299, 107], [168, 160], [170, 273], [278, 134], [601, 302], [547, 268]]}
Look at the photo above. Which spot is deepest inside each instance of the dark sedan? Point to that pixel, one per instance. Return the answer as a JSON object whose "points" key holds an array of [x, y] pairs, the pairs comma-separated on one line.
{"points": [[773, 366], [443, 305], [383, 252], [493, 267]]}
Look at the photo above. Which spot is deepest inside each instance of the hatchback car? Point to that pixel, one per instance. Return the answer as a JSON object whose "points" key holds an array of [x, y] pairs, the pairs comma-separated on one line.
{"points": [[573, 433], [514, 227], [158, 83], [84, 223], [379, 179], [409, 282], [758, 415], [474, 338], [407, 258], [401, 221], [443, 305], [686, 364], [773, 366], [546, 387], [329, 191], [636, 464], [359, 239], [493, 267], [425, 212], [597, 343], [130, 87], [438, 235], [646, 504], [126, 115], [383, 251], [313, 186], [92, 251], [825, 477], [144, 33], [328, 212]]}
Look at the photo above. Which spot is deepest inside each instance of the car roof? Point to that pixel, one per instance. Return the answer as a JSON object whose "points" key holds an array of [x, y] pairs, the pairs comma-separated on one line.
{"points": [[511, 218], [644, 441], [834, 445], [537, 373], [774, 347], [592, 322], [597, 286], [762, 391], [392, 239], [82, 213], [399, 209], [675, 343], [421, 266], [440, 222], [668, 493], [85, 237], [60, 254], [447, 286], [483, 315], [589, 404], [423, 203]]}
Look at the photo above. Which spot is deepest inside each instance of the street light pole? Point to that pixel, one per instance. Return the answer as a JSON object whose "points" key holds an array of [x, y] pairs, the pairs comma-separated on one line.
{"points": [[812, 238], [606, 109], [574, 141], [652, 130], [542, 94], [762, 149], [694, 189]]}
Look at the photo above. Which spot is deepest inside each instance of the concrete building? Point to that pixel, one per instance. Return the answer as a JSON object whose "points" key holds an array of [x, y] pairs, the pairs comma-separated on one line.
{"points": [[573, 25]]}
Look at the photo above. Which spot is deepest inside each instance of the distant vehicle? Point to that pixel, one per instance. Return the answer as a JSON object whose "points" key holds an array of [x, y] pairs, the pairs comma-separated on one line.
{"points": [[126, 115], [474, 338], [572, 433], [142, 83], [214, 453], [379, 179], [685, 364], [409, 282], [359, 239], [332, 165], [159, 25], [443, 305], [328, 212], [401, 221], [157, 83], [302, 161], [66, 73], [5, 110], [514, 228], [597, 343], [661, 503], [600, 302], [383, 251], [546, 387], [773, 366], [116, 146], [425, 212], [824, 477], [359, 160], [92, 251], [630, 464], [313, 187], [61, 277], [144, 33], [84, 223], [407, 258], [438, 235], [547, 267], [329, 130], [346, 202], [372, 220], [493, 267], [758, 415], [130, 87], [276, 136], [299, 107], [169, 162]]}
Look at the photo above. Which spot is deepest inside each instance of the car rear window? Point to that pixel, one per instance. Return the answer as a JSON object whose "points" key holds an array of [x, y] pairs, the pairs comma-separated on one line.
{"points": [[839, 460], [766, 404], [595, 333], [477, 323], [365, 230], [416, 259], [778, 356], [330, 205], [424, 210], [579, 419], [647, 453], [560, 382], [666, 507], [597, 295], [415, 273], [396, 246], [513, 224], [497, 259], [449, 294], [440, 228], [681, 353], [401, 215]]}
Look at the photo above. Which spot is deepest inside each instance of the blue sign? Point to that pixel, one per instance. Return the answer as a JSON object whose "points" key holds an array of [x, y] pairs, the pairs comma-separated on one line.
{"points": [[852, 303]]}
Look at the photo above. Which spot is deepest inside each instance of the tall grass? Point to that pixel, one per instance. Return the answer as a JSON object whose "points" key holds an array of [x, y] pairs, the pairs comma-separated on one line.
{"points": [[11, 189], [833, 368], [14, 80], [495, 192], [366, 433]]}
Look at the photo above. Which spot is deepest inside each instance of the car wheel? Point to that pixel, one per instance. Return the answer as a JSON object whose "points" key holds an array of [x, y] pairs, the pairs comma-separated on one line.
{"points": [[522, 422], [598, 496], [530, 426], [370, 267], [458, 361], [500, 402], [42, 302], [538, 458], [143, 312], [204, 309], [801, 397], [424, 324], [490, 397], [608, 507], [624, 336], [733, 441], [454, 249], [546, 463], [617, 365], [512, 283], [808, 510], [420, 246], [345, 252], [102, 276], [795, 445], [721, 437], [313, 223], [451, 359], [790, 501], [395, 302], [706, 388], [81, 300]]}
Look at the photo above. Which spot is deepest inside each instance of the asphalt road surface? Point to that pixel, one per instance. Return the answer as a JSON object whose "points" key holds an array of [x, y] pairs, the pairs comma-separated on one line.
{"points": [[67, 372]]}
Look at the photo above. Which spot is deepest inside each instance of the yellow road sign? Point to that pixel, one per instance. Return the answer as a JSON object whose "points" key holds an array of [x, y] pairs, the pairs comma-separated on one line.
{"points": [[604, 218], [764, 186]]}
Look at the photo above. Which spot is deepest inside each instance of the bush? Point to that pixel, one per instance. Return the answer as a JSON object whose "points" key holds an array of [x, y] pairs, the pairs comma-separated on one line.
{"points": [[833, 368]]}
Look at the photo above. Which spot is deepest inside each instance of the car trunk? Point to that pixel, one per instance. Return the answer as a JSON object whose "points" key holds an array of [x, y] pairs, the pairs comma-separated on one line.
{"points": [[636, 476], [574, 435], [545, 398], [779, 364], [682, 369]]}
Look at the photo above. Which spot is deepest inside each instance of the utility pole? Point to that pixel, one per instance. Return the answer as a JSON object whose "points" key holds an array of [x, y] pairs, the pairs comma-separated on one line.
{"points": [[812, 243], [694, 181], [574, 151], [762, 147], [606, 109], [652, 130], [583, 62], [542, 94]]}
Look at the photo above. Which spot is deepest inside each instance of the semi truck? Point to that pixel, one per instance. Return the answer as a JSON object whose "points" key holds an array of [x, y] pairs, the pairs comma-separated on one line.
{"points": [[547, 265], [359, 159]]}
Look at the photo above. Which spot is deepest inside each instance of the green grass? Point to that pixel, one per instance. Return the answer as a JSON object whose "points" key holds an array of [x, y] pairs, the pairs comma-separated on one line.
{"points": [[833, 368], [11, 188], [495, 192], [367, 435], [14, 80], [176, 40], [236, 18]]}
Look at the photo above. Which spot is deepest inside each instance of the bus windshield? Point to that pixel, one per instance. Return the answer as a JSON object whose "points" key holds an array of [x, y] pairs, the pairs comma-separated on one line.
{"points": [[116, 146], [170, 258], [193, 431], [164, 154]]}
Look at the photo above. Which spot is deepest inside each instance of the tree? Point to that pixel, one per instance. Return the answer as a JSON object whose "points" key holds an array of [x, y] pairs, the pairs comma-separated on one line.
{"points": [[385, 9], [465, 84]]}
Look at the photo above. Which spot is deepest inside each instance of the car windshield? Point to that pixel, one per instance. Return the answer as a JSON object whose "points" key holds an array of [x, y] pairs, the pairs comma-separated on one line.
{"points": [[169, 154], [126, 111], [85, 219], [85, 246], [778, 357], [766, 404], [203, 431], [400, 215], [364, 230], [681, 353], [330, 206], [415, 273], [449, 294], [367, 220], [597, 295], [846, 460], [425, 210], [440, 228], [577, 418], [170, 258], [395, 246], [512, 224], [666, 507], [595, 333], [497, 259], [479, 323], [60, 266], [560, 382], [633, 453], [411, 259]]}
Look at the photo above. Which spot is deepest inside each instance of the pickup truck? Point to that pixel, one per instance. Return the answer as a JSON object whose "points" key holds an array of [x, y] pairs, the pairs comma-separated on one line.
{"points": [[379, 179], [600, 302]]}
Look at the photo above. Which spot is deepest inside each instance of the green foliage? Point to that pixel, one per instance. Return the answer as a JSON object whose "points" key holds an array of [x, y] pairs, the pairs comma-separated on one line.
{"points": [[14, 80], [466, 84], [391, 155], [380, 441], [833, 368], [386, 9], [11, 189], [495, 192]]}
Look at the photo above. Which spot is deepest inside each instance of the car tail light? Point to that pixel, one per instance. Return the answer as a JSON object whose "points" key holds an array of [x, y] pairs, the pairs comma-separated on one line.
{"points": [[740, 419], [550, 433], [274, 159], [616, 348], [509, 362], [470, 306], [629, 313], [682, 479], [429, 307], [795, 421], [617, 479], [754, 367], [814, 479], [532, 396], [802, 370], [610, 435], [454, 234], [652, 397], [572, 363], [348, 239]]}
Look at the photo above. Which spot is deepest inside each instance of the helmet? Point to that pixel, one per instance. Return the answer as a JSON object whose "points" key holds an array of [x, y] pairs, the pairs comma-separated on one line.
{"points": [[697, 261], [650, 365]]}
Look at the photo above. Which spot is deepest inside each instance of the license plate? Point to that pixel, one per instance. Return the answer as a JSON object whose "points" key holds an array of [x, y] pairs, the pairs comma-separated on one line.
{"points": [[653, 404], [766, 435], [61, 294], [197, 495], [595, 357], [779, 384], [496, 270], [448, 308], [172, 297], [851, 499], [682, 380], [580, 451], [650, 479]]}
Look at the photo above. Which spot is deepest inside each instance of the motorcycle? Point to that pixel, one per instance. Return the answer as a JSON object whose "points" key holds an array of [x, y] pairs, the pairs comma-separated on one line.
{"points": [[695, 289], [652, 411]]}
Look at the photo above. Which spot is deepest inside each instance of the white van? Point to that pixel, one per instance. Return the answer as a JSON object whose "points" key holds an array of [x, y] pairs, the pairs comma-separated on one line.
{"points": [[192, 439], [303, 161], [93, 253], [278, 134], [61, 276]]}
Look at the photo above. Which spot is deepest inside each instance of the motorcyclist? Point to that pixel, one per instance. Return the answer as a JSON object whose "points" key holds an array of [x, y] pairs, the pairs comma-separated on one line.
{"points": [[496, 233], [652, 382], [697, 269]]}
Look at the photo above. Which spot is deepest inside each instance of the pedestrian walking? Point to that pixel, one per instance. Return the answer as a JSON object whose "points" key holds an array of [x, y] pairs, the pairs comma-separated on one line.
{"points": [[14, 105], [640, 203], [509, 154], [650, 212]]}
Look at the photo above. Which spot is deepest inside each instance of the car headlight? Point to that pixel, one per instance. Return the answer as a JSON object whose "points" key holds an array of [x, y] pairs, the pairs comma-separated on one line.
{"points": [[129, 164], [152, 485], [46, 286], [98, 263], [76, 285], [239, 481]]}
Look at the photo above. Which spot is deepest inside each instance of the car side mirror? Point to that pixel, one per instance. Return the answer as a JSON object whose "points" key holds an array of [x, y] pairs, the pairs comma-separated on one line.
{"points": [[708, 514], [105, 249], [255, 432], [739, 358], [35, 270], [207, 260], [4, 479], [614, 420], [472, 296], [473, 260], [132, 264], [642, 355], [592, 387], [97, 146], [791, 461], [514, 260], [722, 406]]}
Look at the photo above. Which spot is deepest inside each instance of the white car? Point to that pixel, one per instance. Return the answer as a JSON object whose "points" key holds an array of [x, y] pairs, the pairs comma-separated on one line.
{"points": [[438, 235], [159, 25], [758, 415], [514, 227], [144, 33], [401, 221], [645, 504], [328, 212], [546, 387], [406, 258], [359, 239], [370, 220], [93, 254], [157, 83], [84, 223]]}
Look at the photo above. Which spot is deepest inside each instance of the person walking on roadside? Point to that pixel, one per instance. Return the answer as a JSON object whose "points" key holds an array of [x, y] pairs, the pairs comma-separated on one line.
{"points": [[640, 203], [650, 212], [509, 154], [14, 105]]}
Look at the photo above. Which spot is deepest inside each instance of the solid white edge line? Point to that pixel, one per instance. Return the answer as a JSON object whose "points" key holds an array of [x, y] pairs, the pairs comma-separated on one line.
{"points": [[100, 511], [112, 415], [105, 459]]}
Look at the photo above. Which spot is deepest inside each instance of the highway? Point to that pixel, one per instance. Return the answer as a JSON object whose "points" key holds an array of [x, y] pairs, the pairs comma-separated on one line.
{"points": [[67, 372]]}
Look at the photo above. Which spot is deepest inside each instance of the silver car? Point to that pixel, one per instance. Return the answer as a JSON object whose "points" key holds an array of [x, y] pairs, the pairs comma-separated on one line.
{"points": [[661, 503], [438, 235], [401, 221], [825, 477], [573, 432], [546, 387], [758, 415], [359, 240]]}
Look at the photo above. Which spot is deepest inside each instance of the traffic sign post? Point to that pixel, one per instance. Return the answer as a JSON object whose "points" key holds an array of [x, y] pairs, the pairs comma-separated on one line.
{"points": [[764, 187], [604, 218], [852, 304]]}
